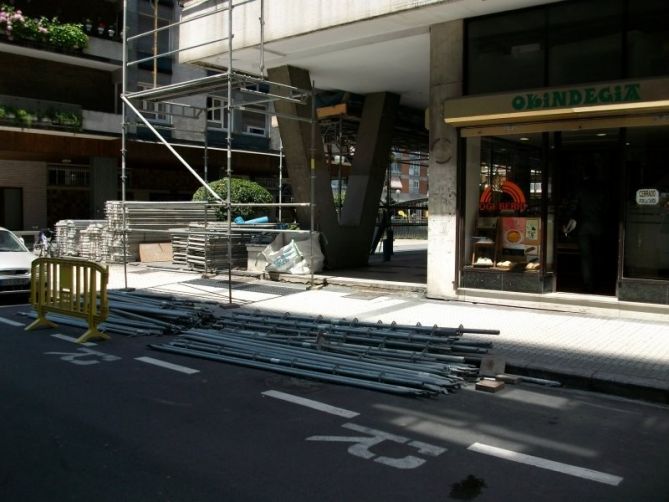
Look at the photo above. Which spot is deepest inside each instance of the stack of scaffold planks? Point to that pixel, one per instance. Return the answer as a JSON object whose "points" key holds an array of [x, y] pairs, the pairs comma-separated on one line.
{"points": [[207, 247], [147, 222], [68, 235], [198, 241]]}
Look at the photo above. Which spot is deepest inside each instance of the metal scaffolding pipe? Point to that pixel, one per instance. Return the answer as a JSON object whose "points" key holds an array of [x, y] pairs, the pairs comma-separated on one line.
{"points": [[171, 149]]}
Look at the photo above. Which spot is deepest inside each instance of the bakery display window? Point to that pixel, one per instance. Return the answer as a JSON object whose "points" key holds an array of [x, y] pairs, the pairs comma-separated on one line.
{"points": [[504, 200]]}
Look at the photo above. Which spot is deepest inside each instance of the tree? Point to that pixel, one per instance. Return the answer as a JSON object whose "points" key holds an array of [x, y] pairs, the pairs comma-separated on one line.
{"points": [[241, 191]]}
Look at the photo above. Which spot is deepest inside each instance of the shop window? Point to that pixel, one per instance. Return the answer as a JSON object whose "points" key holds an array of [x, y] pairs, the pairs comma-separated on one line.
{"points": [[504, 203], [648, 38], [506, 52], [584, 41], [647, 203]]}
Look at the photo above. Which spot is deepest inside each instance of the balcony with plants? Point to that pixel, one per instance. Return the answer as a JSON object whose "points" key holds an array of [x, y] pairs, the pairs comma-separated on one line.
{"points": [[15, 26], [39, 114], [54, 116], [86, 31]]}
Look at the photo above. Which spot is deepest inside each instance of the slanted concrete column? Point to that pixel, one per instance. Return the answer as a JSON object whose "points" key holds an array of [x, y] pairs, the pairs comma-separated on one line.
{"points": [[372, 155], [297, 138], [446, 53], [368, 171], [348, 244]]}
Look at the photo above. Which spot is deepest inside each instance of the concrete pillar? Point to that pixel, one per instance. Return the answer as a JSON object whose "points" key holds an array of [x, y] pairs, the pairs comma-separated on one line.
{"points": [[348, 244], [104, 184], [446, 53]]}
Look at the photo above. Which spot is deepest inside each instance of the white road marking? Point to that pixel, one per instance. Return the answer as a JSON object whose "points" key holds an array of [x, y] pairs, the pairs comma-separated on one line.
{"points": [[362, 445], [572, 470], [309, 403], [72, 339], [165, 364], [10, 322]]}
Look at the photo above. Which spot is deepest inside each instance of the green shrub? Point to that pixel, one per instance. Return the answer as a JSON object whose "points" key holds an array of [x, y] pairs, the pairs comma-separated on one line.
{"points": [[68, 36], [241, 191]]}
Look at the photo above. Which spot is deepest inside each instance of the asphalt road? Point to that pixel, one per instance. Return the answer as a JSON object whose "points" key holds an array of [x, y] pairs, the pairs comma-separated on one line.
{"points": [[97, 423]]}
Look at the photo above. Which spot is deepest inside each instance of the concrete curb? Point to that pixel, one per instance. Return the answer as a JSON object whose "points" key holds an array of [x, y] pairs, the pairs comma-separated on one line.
{"points": [[627, 386]]}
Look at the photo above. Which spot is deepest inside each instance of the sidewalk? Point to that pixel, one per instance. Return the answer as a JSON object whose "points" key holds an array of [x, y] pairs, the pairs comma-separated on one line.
{"points": [[621, 356]]}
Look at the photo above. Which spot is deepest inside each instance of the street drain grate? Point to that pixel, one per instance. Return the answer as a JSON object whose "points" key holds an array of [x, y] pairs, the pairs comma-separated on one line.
{"points": [[270, 289], [212, 283]]}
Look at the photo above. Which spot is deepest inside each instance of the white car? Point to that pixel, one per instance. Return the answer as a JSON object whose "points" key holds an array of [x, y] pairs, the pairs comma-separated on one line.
{"points": [[15, 261]]}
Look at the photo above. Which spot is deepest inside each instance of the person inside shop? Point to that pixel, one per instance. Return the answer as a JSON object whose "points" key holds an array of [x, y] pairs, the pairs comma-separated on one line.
{"points": [[586, 216]]}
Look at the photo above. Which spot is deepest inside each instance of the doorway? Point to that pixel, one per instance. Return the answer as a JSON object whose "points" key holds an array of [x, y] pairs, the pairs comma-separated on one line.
{"points": [[11, 208], [587, 178]]}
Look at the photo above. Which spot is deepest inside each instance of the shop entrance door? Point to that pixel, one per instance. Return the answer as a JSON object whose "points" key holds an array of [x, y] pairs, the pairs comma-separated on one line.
{"points": [[587, 168]]}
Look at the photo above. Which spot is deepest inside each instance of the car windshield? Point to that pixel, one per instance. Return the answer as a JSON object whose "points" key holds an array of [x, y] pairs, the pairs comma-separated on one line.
{"points": [[9, 242]]}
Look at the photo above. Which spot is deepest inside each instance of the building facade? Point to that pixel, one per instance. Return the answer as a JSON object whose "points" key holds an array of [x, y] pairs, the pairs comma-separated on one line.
{"points": [[562, 139], [60, 113]]}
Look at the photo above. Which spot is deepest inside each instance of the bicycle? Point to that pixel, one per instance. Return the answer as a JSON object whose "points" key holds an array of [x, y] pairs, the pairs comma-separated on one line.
{"points": [[46, 246]]}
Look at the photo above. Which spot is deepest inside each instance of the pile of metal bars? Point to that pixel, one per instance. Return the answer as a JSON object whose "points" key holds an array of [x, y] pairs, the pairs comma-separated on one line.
{"points": [[141, 314], [401, 359]]}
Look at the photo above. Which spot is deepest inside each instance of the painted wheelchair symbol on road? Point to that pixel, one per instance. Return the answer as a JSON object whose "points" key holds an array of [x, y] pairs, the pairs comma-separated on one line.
{"points": [[363, 444], [85, 357]]}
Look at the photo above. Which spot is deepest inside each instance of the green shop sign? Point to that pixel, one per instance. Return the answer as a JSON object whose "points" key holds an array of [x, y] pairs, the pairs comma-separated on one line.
{"points": [[577, 97]]}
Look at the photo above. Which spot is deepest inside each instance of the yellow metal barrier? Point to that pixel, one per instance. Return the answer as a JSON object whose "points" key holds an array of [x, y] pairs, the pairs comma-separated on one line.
{"points": [[70, 287]]}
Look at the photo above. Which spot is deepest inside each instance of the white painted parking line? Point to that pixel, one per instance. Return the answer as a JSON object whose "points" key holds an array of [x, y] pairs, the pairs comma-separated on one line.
{"points": [[572, 470], [72, 339], [10, 322], [165, 364], [309, 403]]}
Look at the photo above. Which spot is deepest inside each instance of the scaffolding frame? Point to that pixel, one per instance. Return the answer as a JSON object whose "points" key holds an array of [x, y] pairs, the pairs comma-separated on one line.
{"points": [[230, 80]]}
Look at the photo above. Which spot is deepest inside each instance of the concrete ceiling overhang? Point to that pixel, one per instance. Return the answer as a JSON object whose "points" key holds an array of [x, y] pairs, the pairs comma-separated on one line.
{"points": [[385, 53]]}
